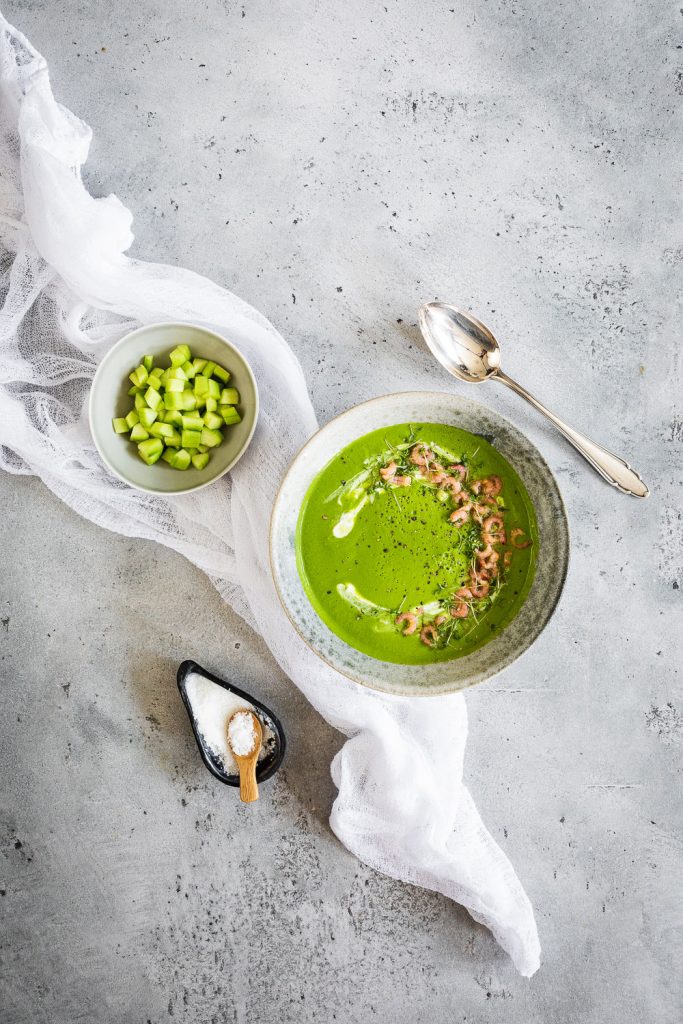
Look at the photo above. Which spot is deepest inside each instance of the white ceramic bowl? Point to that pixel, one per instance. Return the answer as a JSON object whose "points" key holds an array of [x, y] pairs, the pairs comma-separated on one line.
{"points": [[552, 560], [109, 398]]}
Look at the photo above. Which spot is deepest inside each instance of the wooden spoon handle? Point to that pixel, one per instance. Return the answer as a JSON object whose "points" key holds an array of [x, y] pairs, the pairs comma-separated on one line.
{"points": [[248, 784]]}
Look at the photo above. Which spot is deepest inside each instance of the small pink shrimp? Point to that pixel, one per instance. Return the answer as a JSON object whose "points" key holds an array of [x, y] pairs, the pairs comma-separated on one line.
{"points": [[459, 469], [494, 524], [437, 474], [459, 517], [492, 486], [514, 534], [401, 481], [460, 610], [428, 635], [388, 472], [479, 574], [485, 553], [440, 619], [480, 590], [411, 621], [449, 483], [494, 538], [420, 455], [465, 594], [507, 558]]}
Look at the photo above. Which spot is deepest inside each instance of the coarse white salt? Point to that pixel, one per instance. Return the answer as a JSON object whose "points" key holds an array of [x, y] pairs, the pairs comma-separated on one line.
{"points": [[242, 734], [212, 707]]}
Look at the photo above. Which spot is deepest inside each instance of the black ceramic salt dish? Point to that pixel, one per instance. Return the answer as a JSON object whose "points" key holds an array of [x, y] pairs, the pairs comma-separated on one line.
{"points": [[273, 759]]}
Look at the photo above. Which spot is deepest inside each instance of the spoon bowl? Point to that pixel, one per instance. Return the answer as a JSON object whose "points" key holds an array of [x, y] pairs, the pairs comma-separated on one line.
{"points": [[463, 345]]}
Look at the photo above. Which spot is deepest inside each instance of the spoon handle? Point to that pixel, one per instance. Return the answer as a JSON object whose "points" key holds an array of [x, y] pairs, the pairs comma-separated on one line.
{"points": [[608, 465], [248, 784]]}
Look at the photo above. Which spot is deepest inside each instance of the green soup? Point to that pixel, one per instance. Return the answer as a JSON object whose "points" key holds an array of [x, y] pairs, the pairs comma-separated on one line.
{"points": [[417, 543]]}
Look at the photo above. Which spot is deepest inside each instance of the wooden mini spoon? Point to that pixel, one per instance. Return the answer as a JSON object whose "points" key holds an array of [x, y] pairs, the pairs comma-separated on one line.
{"points": [[247, 762]]}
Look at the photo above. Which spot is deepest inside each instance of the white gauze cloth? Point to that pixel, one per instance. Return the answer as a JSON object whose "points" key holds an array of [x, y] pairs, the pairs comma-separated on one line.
{"points": [[69, 293]]}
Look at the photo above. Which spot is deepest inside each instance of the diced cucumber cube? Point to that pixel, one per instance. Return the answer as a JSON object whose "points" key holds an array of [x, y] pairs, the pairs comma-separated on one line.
{"points": [[230, 415], [230, 396], [132, 418], [191, 438], [207, 371], [135, 390], [214, 389], [148, 362], [169, 456], [174, 417], [201, 386], [211, 438], [138, 433], [221, 373], [153, 398], [120, 426], [189, 370], [213, 421], [202, 449], [140, 402], [139, 376], [180, 355], [188, 401], [156, 373], [175, 385], [174, 373], [200, 460], [150, 450], [173, 440], [147, 417], [211, 404], [161, 430], [199, 365], [174, 400], [192, 422], [182, 459]]}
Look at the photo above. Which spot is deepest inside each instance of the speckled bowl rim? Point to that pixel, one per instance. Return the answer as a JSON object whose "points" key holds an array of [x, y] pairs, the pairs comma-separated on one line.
{"points": [[102, 369], [553, 529]]}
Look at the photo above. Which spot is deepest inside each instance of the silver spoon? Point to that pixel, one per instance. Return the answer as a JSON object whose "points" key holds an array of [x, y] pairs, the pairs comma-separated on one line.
{"points": [[468, 350]]}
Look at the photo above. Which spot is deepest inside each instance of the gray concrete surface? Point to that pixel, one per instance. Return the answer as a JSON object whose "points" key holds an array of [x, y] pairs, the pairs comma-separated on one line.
{"points": [[337, 164]]}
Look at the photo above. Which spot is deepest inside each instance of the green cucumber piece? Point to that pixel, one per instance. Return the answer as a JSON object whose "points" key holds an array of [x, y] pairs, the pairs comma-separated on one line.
{"points": [[199, 365], [182, 459], [221, 373], [140, 403], [214, 389], [135, 390], [191, 438], [150, 450], [213, 421], [153, 398], [230, 415], [173, 440], [174, 400], [169, 456], [207, 371], [202, 449], [174, 417], [211, 404], [162, 430], [211, 438], [230, 396], [188, 401], [180, 355], [201, 386], [147, 417], [148, 362], [189, 370], [200, 460], [132, 418], [120, 426], [175, 385], [192, 422], [138, 433], [138, 376]]}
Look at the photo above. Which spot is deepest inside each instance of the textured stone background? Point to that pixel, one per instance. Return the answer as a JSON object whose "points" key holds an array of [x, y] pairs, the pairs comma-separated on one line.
{"points": [[336, 164]]}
